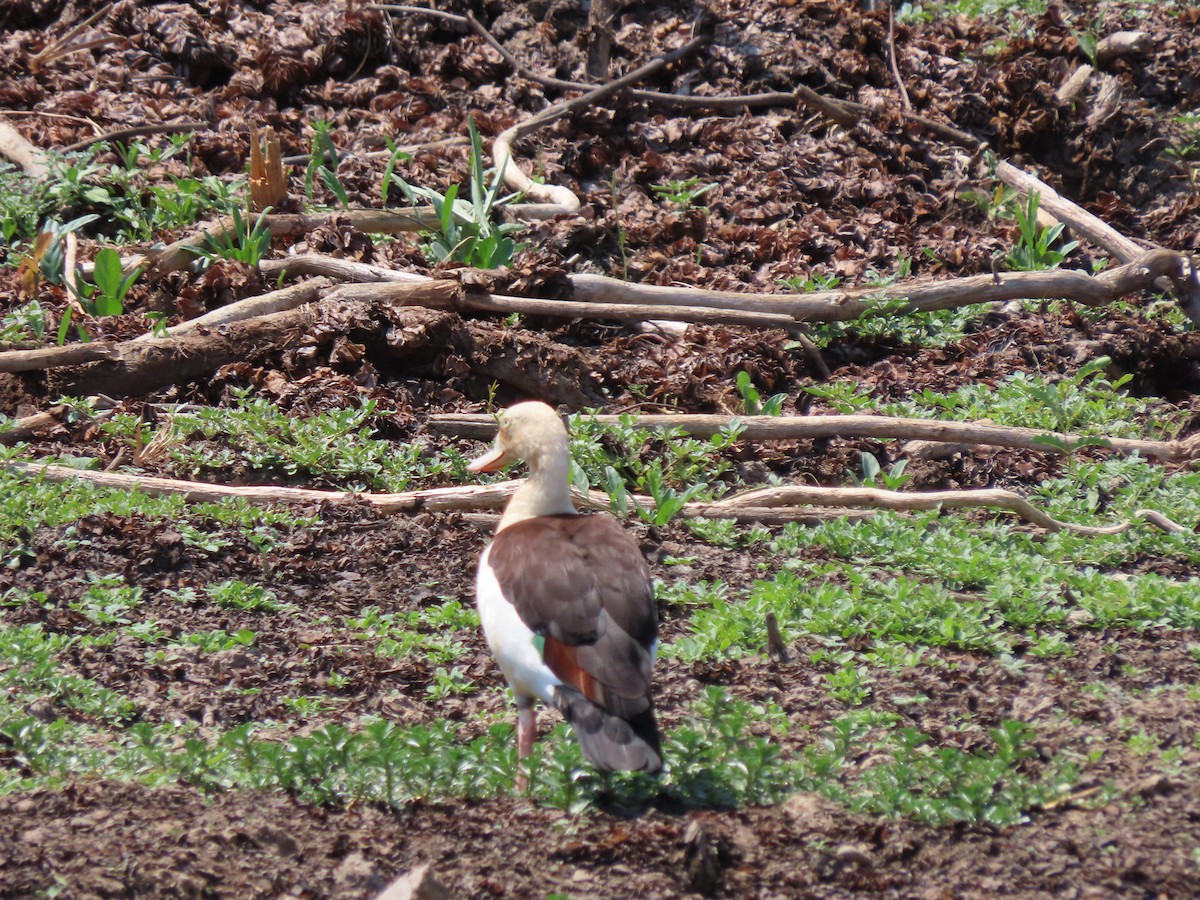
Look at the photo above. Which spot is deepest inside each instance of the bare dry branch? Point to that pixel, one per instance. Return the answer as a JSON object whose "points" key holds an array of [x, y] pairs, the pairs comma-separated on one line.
{"points": [[290, 297], [787, 428], [921, 295], [777, 310], [776, 504], [29, 157], [1080, 220], [552, 200], [1122, 43], [877, 498]]}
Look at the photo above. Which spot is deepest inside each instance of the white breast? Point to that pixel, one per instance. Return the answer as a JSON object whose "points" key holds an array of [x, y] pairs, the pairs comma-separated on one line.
{"points": [[512, 643]]}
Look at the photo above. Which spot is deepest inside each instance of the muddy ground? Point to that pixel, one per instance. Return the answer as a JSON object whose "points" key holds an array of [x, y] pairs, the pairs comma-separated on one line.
{"points": [[794, 196]]}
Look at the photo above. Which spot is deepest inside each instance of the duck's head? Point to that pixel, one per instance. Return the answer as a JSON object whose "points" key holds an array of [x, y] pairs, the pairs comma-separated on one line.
{"points": [[529, 431]]}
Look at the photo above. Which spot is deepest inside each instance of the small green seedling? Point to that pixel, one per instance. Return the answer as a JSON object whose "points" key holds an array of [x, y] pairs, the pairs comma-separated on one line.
{"points": [[323, 162], [752, 400], [106, 296], [245, 242], [1033, 251], [685, 193]]}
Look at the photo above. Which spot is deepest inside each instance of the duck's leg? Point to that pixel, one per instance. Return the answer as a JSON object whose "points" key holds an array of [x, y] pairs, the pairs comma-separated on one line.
{"points": [[526, 735]]}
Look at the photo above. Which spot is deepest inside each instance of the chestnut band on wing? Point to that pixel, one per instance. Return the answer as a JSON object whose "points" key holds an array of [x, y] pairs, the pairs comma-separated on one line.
{"points": [[581, 583]]}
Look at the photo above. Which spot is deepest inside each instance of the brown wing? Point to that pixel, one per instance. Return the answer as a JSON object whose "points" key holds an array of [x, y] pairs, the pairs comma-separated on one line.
{"points": [[581, 583]]}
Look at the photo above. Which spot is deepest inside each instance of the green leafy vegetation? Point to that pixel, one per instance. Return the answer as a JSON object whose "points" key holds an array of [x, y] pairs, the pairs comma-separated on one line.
{"points": [[1188, 146], [237, 594], [753, 402], [684, 193], [666, 464], [122, 196], [1034, 250], [1086, 402], [106, 296], [338, 446], [869, 598], [815, 281], [246, 242], [323, 163], [428, 633], [466, 232], [715, 761], [942, 9], [938, 582], [888, 317]]}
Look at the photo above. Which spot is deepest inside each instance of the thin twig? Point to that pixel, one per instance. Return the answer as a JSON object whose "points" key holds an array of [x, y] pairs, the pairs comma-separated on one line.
{"points": [[891, 45], [122, 134], [551, 200]]}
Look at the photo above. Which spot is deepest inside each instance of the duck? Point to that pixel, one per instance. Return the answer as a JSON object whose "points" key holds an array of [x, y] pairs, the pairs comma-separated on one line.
{"points": [[567, 605]]}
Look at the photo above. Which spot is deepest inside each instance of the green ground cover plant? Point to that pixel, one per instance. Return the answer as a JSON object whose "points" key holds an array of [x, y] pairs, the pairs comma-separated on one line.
{"points": [[918, 588]]}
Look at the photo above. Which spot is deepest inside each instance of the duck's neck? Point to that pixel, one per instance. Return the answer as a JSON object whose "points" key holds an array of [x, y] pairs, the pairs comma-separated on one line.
{"points": [[546, 492]]}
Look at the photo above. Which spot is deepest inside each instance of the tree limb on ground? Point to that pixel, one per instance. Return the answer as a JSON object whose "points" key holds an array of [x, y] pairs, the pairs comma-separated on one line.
{"points": [[123, 134], [409, 321], [28, 156], [922, 295], [553, 200], [290, 297], [777, 504], [790, 428], [821, 306], [878, 498], [711, 307], [137, 366], [27, 428], [1079, 219]]}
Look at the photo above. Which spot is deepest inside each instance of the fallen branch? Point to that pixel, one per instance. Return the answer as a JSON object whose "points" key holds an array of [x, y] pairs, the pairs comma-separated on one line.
{"points": [[28, 427], [54, 357], [137, 366], [822, 306], [1072, 89], [332, 267], [790, 428], [28, 156], [877, 498], [779, 504], [552, 200], [894, 63], [467, 497], [1079, 219], [290, 297], [479, 301], [182, 253], [921, 296], [1122, 43]]}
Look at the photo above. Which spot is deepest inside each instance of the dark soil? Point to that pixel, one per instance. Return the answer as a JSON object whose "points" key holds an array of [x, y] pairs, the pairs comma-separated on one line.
{"points": [[794, 196]]}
